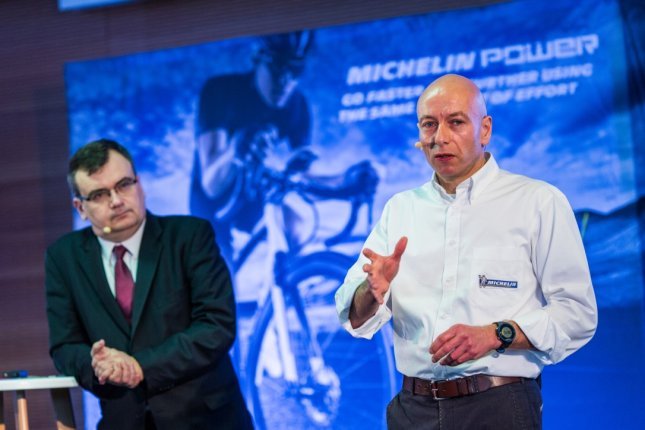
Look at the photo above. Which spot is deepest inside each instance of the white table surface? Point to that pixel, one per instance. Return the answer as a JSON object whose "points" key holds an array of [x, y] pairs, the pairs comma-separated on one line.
{"points": [[37, 383]]}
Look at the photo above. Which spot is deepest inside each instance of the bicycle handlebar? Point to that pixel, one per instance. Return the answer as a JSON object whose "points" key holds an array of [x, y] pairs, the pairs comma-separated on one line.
{"points": [[358, 186]]}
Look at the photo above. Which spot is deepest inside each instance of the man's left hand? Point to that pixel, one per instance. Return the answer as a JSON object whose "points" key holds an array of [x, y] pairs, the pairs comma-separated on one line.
{"points": [[461, 343], [114, 366]]}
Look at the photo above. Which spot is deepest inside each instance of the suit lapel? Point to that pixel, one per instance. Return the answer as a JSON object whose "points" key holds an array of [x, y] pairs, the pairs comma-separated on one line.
{"points": [[148, 260], [92, 267]]}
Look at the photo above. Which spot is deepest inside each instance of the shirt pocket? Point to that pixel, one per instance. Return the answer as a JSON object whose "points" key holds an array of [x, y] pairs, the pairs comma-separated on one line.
{"points": [[496, 280]]}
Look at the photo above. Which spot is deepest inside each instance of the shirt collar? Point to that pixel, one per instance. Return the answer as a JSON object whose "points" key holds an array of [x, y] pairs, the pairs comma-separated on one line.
{"points": [[474, 185], [132, 244]]}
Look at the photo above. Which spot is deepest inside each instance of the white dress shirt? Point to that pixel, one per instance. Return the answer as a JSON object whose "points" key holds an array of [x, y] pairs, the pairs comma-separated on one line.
{"points": [[130, 258], [504, 247]]}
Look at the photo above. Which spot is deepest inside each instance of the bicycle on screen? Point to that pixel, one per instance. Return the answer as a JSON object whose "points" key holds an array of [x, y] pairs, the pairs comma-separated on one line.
{"points": [[301, 368]]}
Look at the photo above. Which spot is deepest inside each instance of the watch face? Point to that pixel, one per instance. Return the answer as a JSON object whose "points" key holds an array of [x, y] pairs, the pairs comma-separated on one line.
{"points": [[506, 335], [506, 332]]}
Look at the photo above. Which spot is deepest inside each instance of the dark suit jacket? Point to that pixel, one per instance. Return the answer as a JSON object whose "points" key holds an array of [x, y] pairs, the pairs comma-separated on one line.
{"points": [[183, 325]]}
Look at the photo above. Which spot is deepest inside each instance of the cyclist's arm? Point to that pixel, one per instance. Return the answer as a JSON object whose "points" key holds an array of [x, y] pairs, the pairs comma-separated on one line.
{"points": [[341, 186], [324, 187], [216, 153]]}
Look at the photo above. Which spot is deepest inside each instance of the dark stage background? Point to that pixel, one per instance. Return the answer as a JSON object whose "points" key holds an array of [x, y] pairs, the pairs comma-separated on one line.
{"points": [[596, 388]]}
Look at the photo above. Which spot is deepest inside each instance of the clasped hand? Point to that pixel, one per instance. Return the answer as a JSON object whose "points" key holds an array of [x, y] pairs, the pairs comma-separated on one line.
{"points": [[114, 366]]}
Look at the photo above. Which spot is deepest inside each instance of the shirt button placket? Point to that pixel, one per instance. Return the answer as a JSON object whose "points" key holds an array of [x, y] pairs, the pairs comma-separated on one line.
{"points": [[448, 281]]}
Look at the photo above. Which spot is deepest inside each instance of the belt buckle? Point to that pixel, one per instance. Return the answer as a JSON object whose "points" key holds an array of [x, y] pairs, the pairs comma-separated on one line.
{"points": [[434, 388]]}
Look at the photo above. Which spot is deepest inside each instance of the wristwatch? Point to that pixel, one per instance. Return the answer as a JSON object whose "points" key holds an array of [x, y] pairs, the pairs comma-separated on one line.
{"points": [[505, 333]]}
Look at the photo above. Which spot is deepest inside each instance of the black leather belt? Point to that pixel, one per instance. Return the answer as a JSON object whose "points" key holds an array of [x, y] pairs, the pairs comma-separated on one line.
{"points": [[457, 387]]}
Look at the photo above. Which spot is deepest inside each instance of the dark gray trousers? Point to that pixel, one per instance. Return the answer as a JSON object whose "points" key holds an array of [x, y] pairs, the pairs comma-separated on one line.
{"points": [[514, 407]]}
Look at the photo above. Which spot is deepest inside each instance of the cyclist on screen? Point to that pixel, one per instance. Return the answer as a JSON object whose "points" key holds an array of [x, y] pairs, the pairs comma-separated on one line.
{"points": [[251, 174], [246, 120]]}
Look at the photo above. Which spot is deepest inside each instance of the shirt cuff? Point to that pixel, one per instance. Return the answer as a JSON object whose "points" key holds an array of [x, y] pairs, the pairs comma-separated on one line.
{"points": [[544, 335], [344, 299]]}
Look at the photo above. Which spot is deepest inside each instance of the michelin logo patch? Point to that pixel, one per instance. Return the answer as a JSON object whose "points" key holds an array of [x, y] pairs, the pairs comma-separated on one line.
{"points": [[498, 283]]}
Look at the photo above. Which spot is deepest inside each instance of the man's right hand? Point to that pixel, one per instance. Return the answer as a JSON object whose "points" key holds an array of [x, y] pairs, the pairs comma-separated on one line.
{"points": [[114, 366], [381, 270]]}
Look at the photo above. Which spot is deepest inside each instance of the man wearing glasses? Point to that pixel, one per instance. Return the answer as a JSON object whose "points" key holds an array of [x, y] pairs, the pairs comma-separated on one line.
{"points": [[140, 308]]}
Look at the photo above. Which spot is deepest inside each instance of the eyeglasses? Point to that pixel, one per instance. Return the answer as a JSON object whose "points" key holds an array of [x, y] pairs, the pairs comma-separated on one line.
{"points": [[104, 195]]}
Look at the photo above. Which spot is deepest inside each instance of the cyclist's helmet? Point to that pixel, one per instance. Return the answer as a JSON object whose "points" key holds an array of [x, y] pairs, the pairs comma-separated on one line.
{"points": [[286, 50]]}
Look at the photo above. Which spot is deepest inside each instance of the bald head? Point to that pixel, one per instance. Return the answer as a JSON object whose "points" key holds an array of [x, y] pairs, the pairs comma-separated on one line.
{"points": [[457, 86], [454, 129]]}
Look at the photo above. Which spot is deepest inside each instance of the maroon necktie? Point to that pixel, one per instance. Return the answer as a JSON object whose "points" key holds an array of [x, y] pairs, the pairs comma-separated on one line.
{"points": [[123, 282]]}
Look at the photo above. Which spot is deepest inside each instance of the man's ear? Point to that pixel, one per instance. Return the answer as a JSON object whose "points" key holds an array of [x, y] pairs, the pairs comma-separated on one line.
{"points": [[78, 205], [486, 130]]}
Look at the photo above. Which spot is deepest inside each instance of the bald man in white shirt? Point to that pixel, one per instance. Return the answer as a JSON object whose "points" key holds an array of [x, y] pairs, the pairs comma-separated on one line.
{"points": [[482, 272]]}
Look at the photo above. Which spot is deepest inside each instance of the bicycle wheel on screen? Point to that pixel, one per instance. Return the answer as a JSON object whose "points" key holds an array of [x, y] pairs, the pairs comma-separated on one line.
{"points": [[342, 382]]}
